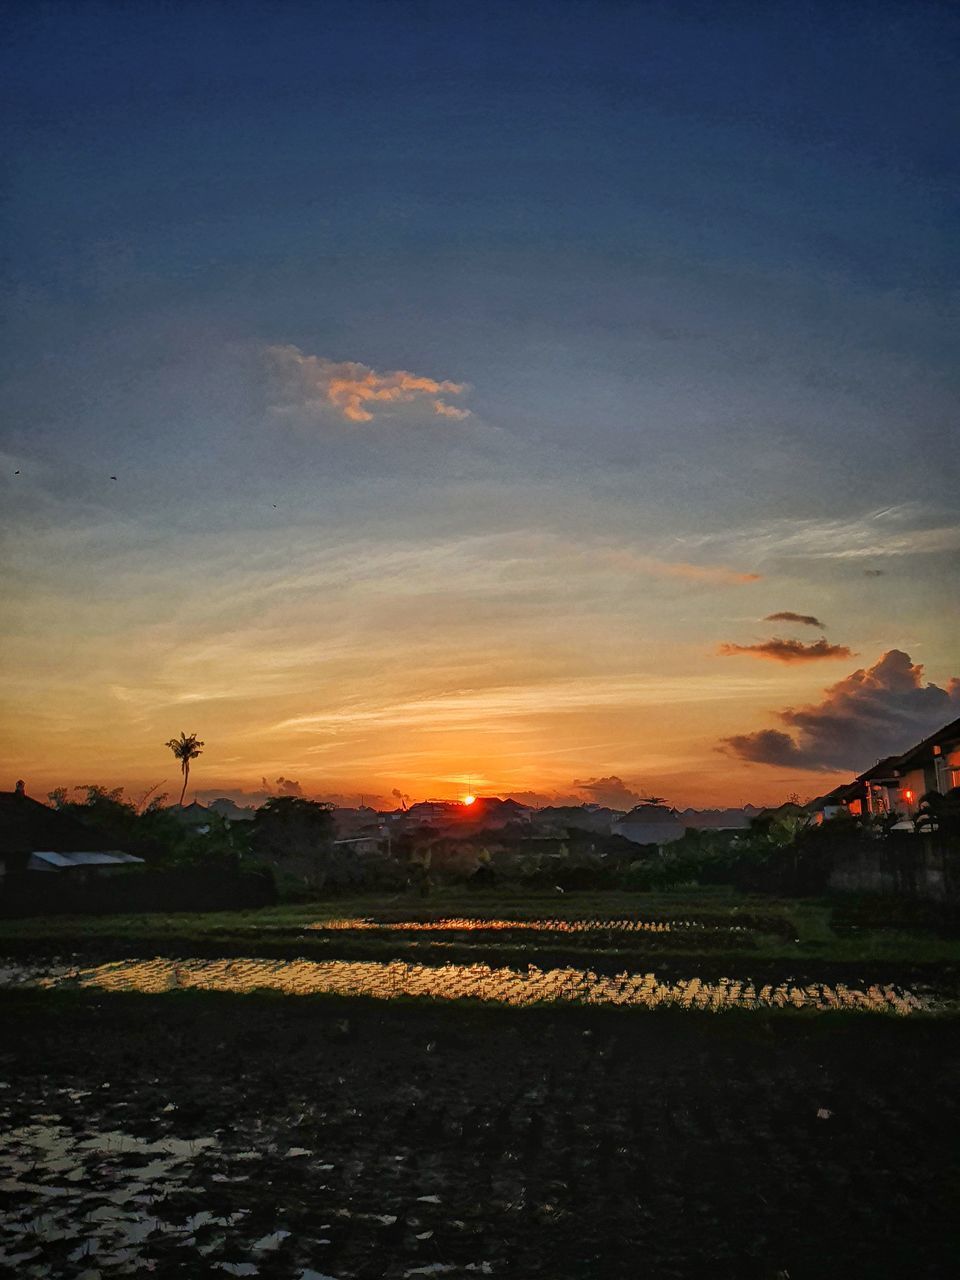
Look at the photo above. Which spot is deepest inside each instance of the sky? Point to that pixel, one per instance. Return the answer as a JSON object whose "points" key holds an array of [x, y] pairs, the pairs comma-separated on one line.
{"points": [[555, 400]]}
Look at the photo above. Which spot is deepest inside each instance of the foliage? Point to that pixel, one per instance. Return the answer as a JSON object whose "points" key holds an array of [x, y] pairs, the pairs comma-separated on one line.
{"points": [[152, 832], [940, 813], [297, 837]]}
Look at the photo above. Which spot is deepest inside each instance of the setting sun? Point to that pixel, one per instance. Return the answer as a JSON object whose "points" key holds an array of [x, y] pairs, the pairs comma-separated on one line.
{"points": [[469, 799]]}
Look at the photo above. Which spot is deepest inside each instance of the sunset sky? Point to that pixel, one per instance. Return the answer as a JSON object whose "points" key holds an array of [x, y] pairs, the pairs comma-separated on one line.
{"points": [[479, 381]]}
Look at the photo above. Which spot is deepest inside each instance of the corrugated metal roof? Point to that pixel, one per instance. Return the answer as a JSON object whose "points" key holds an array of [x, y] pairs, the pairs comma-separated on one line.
{"points": [[49, 860]]}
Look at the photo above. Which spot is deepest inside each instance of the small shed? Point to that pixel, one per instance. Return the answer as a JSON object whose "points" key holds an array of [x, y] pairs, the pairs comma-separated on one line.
{"points": [[104, 863]]}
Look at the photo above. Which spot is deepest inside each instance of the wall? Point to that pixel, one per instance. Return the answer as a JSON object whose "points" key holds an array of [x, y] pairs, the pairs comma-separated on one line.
{"points": [[908, 866], [37, 893]]}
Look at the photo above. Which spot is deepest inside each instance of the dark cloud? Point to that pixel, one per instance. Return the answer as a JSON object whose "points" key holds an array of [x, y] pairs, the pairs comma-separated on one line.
{"points": [[789, 650], [872, 713], [612, 792], [284, 787], [766, 746], [805, 619]]}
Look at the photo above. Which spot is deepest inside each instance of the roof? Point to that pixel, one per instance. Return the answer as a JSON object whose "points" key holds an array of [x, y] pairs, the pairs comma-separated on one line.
{"points": [[192, 814], [51, 861], [26, 825], [883, 769], [949, 733], [652, 813]]}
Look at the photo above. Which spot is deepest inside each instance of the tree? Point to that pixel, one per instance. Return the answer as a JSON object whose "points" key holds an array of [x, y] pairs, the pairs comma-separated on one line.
{"points": [[185, 748], [297, 835]]}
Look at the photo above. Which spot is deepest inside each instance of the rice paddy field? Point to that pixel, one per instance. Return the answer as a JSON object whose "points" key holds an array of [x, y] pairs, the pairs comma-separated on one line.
{"points": [[686, 1085]]}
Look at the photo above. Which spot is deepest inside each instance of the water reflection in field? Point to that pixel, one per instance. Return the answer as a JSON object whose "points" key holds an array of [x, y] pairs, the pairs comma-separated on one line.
{"points": [[394, 979], [477, 925]]}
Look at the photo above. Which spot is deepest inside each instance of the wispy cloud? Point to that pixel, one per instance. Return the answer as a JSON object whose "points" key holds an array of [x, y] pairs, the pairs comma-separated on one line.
{"points": [[802, 619], [354, 392], [476, 707], [778, 650], [903, 530], [635, 562], [869, 714]]}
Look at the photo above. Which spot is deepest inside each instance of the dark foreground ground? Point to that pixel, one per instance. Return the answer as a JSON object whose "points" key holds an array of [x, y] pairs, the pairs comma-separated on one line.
{"points": [[405, 1140]]}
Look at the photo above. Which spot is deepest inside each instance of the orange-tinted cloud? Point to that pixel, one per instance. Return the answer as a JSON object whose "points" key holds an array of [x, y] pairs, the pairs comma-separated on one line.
{"points": [[354, 391], [869, 714], [706, 573], [789, 650], [719, 575], [803, 619]]}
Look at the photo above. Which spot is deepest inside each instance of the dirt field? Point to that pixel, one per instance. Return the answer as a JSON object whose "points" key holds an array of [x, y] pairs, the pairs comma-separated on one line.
{"points": [[408, 1139]]}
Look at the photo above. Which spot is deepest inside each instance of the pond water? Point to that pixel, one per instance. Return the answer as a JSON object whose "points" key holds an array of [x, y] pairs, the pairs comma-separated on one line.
{"points": [[511, 986]]}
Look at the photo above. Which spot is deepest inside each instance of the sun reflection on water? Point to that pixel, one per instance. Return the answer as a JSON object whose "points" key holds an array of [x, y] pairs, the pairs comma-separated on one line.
{"points": [[390, 980], [473, 924]]}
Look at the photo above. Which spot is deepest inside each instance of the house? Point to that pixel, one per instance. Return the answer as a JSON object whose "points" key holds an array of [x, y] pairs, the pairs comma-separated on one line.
{"points": [[194, 816], [650, 824], [897, 784], [718, 819], [584, 817], [873, 793], [34, 837], [230, 811], [932, 765]]}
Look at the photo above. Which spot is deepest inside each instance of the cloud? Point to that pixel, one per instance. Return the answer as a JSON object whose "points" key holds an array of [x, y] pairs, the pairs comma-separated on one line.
{"points": [[766, 746], [907, 529], [635, 562], [612, 792], [872, 713], [804, 619], [779, 650], [284, 787], [352, 391]]}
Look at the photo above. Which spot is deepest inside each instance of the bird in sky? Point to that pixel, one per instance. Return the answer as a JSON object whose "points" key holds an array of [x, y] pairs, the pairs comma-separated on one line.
{"points": [[113, 477]]}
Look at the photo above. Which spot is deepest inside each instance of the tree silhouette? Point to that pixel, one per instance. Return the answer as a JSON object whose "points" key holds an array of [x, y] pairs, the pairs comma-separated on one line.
{"points": [[186, 748]]}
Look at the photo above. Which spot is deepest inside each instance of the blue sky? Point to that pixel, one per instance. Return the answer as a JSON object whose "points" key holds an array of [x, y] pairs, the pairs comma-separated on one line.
{"points": [[693, 265]]}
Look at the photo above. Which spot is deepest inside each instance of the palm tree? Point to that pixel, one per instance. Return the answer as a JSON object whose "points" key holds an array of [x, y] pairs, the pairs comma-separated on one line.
{"points": [[185, 748]]}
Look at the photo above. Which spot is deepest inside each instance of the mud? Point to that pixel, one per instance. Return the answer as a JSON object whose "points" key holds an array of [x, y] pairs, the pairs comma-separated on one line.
{"points": [[356, 1139]]}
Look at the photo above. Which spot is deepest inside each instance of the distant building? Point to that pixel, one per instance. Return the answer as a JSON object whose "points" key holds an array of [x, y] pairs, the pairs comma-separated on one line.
{"points": [[484, 813], [650, 824], [195, 816], [230, 811], [34, 837], [583, 817], [718, 819]]}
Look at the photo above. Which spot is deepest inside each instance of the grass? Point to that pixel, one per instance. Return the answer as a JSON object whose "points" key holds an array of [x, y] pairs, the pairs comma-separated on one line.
{"points": [[785, 931]]}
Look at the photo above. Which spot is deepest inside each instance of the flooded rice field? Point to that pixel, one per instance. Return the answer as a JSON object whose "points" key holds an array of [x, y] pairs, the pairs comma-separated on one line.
{"points": [[389, 980], [521, 1119], [474, 924], [114, 1203], [206, 1136]]}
